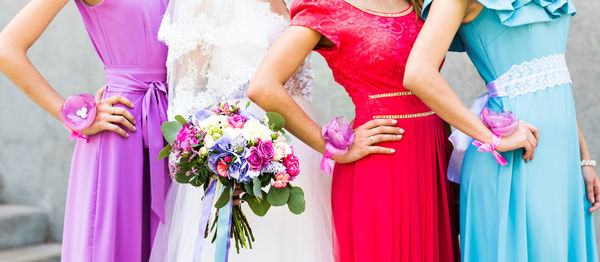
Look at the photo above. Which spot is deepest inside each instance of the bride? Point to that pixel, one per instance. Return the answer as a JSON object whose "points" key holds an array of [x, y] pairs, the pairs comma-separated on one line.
{"points": [[215, 47]]}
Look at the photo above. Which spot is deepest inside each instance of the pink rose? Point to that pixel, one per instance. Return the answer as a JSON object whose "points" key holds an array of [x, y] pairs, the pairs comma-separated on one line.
{"points": [[186, 137], [292, 164], [502, 124], [254, 159], [266, 150], [281, 180], [236, 121]]}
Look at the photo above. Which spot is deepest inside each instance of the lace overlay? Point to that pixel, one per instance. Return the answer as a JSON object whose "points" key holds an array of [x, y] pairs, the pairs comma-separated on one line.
{"points": [[531, 76], [215, 47], [369, 53]]}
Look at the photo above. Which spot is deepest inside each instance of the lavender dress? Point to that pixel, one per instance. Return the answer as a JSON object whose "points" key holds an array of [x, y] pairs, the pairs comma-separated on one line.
{"points": [[117, 186]]}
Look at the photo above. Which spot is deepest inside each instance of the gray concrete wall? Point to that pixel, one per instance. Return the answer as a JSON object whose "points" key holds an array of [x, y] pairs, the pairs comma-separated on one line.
{"points": [[36, 152]]}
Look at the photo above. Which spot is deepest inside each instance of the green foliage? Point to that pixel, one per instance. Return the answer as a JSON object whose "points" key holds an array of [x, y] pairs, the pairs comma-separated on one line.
{"points": [[256, 188], [170, 130], [259, 208], [181, 120], [276, 121], [278, 196], [165, 152], [224, 198], [296, 202]]}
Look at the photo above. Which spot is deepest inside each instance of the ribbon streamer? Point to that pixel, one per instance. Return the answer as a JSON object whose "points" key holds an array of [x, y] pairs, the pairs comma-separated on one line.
{"points": [[327, 163], [461, 142], [223, 231], [206, 208]]}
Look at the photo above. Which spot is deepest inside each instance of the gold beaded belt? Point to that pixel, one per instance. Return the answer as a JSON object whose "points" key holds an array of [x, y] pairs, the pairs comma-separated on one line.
{"points": [[404, 116]]}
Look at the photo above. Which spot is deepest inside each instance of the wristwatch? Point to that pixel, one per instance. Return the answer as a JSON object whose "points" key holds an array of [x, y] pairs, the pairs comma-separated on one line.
{"points": [[588, 162]]}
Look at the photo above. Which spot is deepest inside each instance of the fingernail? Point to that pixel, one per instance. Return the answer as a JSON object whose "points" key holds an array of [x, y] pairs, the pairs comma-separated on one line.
{"points": [[394, 121], [134, 129], [392, 150], [400, 129], [399, 136], [127, 135]]}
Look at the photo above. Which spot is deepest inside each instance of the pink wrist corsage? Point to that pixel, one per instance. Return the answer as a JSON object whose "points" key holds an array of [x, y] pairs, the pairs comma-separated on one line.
{"points": [[78, 113], [339, 136], [501, 124]]}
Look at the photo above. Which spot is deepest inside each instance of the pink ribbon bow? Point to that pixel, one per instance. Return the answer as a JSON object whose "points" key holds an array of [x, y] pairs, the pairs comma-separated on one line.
{"points": [[327, 163], [484, 147]]}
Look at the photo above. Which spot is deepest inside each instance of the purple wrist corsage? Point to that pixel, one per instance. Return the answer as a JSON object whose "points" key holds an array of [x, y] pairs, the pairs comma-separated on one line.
{"points": [[339, 136], [78, 113]]}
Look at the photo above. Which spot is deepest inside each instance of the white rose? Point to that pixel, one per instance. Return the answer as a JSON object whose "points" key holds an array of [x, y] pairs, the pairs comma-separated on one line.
{"points": [[203, 150], [253, 130], [232, 132], [281, 150], [209, 141]]}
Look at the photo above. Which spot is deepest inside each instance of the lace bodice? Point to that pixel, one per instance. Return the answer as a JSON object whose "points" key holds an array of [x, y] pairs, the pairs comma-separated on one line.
{"points": [[215, 47], [370, 52]]}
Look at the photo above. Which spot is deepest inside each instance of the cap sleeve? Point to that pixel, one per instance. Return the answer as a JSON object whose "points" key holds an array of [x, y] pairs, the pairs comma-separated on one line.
{"points": [[457, 44], [316, 15], [523, 12]]}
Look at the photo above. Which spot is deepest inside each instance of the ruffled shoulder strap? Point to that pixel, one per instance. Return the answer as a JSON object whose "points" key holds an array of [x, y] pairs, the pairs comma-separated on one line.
{"points": [[318, 15], [522, 12]]}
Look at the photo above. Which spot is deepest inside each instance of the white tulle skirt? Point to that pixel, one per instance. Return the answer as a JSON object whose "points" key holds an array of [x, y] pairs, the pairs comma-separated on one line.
{"points": [[280, 235]]}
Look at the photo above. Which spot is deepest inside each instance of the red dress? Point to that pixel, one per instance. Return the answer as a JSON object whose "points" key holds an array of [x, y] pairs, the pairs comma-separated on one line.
{"points": [[385, 207]]}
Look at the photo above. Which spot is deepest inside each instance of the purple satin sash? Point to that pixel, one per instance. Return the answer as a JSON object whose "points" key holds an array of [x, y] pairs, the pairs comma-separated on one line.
{"points": [[152, 83]]}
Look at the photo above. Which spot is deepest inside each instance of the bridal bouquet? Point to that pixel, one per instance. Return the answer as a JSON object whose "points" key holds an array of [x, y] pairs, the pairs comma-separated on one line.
{"points": [[227, 148]]}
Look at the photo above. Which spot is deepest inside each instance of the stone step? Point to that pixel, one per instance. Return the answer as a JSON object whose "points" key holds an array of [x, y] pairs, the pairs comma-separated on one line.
{"points": [[21, 226], [36, 253]]}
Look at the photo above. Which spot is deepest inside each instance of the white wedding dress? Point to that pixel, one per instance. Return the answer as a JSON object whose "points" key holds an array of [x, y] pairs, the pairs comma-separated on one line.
{"points": [[215, 47]]}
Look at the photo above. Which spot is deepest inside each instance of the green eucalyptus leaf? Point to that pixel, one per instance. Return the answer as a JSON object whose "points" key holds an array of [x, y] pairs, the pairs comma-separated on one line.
{"points": [[296, 202], [278, 196], [259, 208], [248, 189], [195, 181], [181, 178], [181, 120], [276, 121], [170, 130], [265, 180], [165, 152], [224, 198], [256, 188]]}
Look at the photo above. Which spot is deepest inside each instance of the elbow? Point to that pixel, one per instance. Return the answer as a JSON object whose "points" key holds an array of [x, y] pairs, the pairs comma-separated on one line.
{"points": [[411, 79], [418, 77], [256, 91], [4, 53]]}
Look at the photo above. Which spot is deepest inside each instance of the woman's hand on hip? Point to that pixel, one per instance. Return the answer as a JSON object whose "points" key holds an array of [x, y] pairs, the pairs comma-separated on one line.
{"points": [[368, 135], [526, 136], [108, 117]]}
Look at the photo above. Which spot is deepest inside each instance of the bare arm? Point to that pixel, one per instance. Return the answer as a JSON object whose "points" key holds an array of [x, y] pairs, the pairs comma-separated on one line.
{"points": [[423, 78], [16, 39], [266, 89], [592, 183]]}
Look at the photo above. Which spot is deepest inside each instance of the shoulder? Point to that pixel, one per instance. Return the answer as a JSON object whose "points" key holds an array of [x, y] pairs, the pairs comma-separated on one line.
{"points": [[314, 7]]}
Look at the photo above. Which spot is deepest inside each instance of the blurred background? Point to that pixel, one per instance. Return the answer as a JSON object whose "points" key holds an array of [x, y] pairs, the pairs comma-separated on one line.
{"points": [[36, 152]]}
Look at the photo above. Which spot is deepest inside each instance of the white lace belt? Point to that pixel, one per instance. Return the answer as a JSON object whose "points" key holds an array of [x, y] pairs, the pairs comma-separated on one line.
{"points": [[531, 76]]}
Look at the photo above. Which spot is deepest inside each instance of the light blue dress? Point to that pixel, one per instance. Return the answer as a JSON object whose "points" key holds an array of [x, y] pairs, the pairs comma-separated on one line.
{"points": [[535, 211]]}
